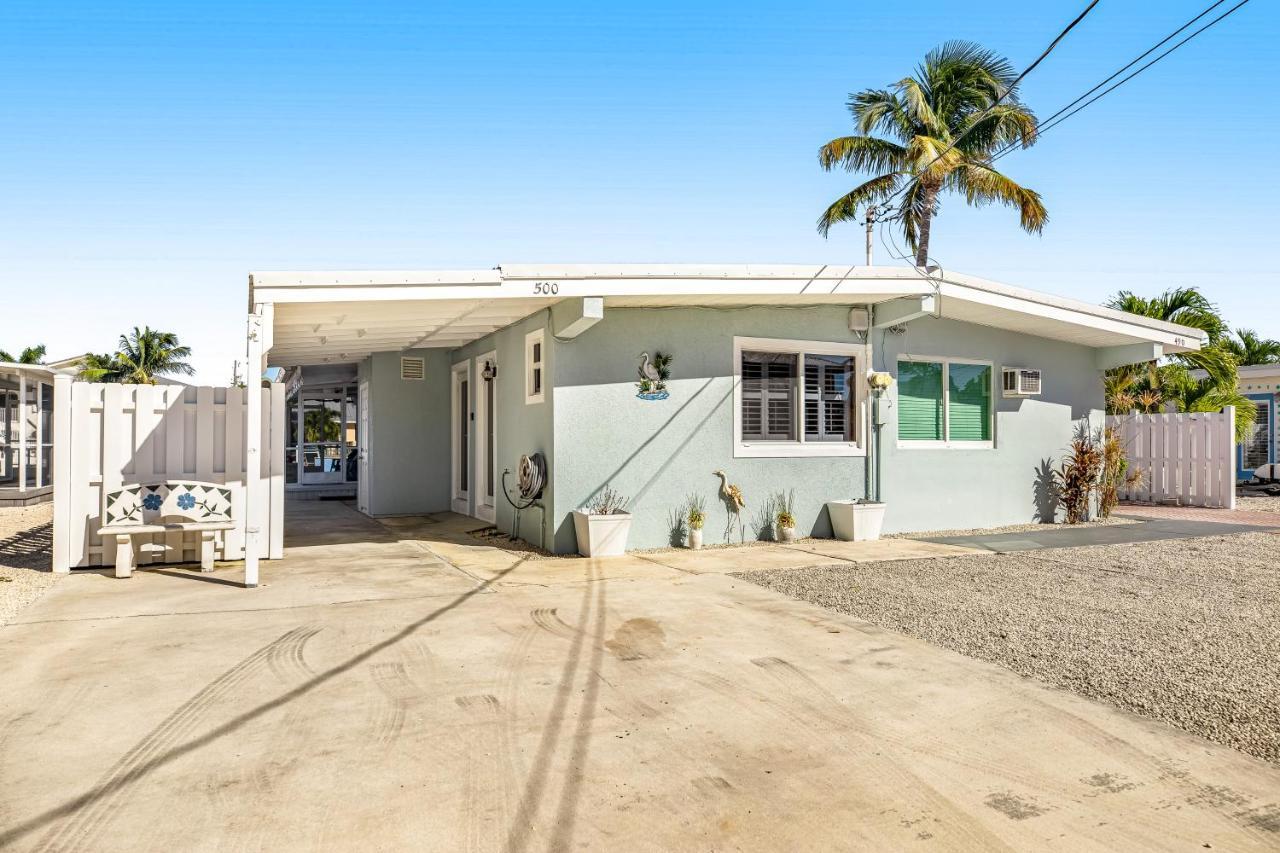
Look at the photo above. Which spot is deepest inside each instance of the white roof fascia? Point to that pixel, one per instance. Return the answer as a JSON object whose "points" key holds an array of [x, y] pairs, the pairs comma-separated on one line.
{"points": [[549, 283]]}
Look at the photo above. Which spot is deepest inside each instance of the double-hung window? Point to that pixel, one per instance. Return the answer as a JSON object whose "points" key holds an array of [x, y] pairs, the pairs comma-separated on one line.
{"points": [[534, 367], [944, 402], [796, 398]]}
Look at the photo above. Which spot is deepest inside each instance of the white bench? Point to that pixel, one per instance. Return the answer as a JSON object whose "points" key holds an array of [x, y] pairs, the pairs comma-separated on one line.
{"points": [[176, 505]]}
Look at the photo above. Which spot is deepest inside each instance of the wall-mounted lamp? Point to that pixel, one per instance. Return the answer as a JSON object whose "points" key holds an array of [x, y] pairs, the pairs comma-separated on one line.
{"points": [[490, 371]]}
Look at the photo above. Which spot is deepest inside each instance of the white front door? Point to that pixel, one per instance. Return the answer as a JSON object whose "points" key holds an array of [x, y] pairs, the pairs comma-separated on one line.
{"points": [[362, 455], [460, 450], [486, 432]]}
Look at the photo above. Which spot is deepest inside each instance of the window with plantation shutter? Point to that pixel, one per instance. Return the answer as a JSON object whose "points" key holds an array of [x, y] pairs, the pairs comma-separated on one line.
{"points": [[944, 402], [797, 398], [919, 401], [828, 397], [768, 396], [968, 402]]}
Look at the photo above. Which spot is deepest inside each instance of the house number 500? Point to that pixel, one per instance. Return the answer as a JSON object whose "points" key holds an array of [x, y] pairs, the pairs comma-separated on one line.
{"points": [[546, 288]]}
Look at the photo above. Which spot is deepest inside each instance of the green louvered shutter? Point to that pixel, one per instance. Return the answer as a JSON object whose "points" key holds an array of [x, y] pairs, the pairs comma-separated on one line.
{"points": [[919, 401], [969, 406]]}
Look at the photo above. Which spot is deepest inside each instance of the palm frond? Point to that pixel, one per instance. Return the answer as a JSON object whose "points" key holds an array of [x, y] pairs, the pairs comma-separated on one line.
{"points": [[845, 208], [862, 153], [983, 185]]}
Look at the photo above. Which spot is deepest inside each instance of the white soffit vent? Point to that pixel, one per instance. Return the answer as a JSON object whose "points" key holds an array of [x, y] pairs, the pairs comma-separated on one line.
{"points": [[413, 368]]}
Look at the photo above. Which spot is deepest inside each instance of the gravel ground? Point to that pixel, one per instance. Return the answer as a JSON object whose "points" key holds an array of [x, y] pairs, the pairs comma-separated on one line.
{"points": [[25, 545], [1184, 631], [1258, 504]]}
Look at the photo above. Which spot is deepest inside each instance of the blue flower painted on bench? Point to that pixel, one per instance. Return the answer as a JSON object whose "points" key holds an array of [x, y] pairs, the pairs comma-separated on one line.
{"points": [[186, 501], [152, 502]]}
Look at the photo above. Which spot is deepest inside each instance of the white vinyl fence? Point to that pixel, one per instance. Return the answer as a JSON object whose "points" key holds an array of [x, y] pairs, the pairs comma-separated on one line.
{"points": [[1187, 458], [108, 436]]}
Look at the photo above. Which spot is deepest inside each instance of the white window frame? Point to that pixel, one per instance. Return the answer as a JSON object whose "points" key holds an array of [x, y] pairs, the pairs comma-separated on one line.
{"points": [[798, 448], [537, 336], [947, 443]]}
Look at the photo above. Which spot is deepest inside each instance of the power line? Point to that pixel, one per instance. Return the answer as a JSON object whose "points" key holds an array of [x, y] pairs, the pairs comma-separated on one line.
{"points": [[1008, 91], [1062, 115]]}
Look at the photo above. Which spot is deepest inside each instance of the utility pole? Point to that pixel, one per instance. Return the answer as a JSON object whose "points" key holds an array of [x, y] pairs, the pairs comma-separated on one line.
{"points": [[871, 221], [235, 374]]}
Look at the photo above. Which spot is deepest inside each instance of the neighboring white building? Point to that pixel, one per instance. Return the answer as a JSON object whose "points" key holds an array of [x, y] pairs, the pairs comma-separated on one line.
{"points": [[1260, 383], [26, 433]]}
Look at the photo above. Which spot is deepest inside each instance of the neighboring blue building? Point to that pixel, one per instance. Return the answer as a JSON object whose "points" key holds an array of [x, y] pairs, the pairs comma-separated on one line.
{"points": [[1260, 383], [448, 378]]}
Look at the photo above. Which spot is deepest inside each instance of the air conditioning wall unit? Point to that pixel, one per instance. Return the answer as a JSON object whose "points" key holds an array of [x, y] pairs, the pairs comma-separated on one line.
{"points": [[1021, 382]]}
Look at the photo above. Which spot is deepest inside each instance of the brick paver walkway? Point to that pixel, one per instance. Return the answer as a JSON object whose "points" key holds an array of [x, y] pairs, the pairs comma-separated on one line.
{"points": [[1195, 513]]}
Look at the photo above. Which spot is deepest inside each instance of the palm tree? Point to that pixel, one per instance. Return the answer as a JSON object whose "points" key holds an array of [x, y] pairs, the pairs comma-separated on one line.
{"points": [[147, 354], [948, 121], [1152, 384], [30, 355], [101, 367], [1248, 348]]}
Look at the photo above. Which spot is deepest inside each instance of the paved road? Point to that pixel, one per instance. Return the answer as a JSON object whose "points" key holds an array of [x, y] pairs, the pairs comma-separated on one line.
{"points": [[373, 696]]}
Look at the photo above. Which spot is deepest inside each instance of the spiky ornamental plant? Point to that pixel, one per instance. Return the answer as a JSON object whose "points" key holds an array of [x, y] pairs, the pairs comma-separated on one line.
{"points": [[951, 100], [1078, 477]]}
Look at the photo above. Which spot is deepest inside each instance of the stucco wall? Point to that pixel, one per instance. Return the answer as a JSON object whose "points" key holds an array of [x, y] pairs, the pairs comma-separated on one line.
{"points": [[659, 452], [409, 445], [931, 489]]}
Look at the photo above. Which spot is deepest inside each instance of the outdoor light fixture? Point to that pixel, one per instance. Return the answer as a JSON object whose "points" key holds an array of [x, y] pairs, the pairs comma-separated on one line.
{"points": [[490, 371]]}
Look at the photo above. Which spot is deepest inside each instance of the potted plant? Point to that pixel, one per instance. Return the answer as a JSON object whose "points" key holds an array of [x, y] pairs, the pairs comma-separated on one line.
{"points": [[856, 520], [697, 516], [602, 526], [786, 518]]}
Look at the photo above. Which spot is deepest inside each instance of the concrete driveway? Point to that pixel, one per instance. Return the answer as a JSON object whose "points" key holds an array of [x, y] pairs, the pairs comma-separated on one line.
{"points": [[375, 696]]}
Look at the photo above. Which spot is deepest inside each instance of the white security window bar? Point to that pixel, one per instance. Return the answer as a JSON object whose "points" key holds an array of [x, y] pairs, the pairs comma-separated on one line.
{"points": [[534, 367], [798, 398]]}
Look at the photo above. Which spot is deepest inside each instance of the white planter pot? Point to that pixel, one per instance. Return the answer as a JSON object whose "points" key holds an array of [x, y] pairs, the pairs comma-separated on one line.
{"points": [[601, 535], [786, 534], [695, 539], [855, 522]]}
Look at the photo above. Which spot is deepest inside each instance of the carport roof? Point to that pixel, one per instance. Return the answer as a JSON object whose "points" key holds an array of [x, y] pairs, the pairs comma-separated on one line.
{"points": [[335, 316]]}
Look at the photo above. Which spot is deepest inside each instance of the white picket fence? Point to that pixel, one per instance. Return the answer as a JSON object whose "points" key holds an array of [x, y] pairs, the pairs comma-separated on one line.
{"points": [[108, 436], [1186, 458]]}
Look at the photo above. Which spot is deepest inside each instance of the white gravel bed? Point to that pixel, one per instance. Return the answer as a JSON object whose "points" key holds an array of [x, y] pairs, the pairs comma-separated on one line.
{"points": [[1259, 503], [26, 539], [1185, 631], [1029, 527]]}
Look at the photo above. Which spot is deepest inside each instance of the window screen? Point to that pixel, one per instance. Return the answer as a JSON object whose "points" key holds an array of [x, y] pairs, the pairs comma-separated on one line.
{"points": [[769, 396]]}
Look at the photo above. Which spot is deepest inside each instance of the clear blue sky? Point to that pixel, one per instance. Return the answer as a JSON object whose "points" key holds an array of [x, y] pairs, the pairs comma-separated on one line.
{"points": [[153, 153]]}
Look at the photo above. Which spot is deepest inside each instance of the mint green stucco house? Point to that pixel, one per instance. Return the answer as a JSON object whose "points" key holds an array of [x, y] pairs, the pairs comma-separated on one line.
{"points": [[440, 381]]}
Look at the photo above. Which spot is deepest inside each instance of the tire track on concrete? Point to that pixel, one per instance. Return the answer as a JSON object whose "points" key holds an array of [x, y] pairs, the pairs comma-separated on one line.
{"points": [[114, 788], [948, 818]]}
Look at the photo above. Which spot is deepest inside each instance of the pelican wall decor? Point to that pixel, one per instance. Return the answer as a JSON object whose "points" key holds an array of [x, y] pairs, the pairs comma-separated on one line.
{"points": [[654, 374]]}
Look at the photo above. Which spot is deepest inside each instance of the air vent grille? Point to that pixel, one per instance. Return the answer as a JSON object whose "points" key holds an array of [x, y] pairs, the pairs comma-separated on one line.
{"points": [[413, 368]]}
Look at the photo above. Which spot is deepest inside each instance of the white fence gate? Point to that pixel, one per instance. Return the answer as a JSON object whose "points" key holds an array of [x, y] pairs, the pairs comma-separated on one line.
{"points": [[1187, 458], [108, 436]]}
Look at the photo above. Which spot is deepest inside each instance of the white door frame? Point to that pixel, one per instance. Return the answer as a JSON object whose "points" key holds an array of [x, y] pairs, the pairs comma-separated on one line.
{"points": [[362, 444], [459, 495], [486, 505]]}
